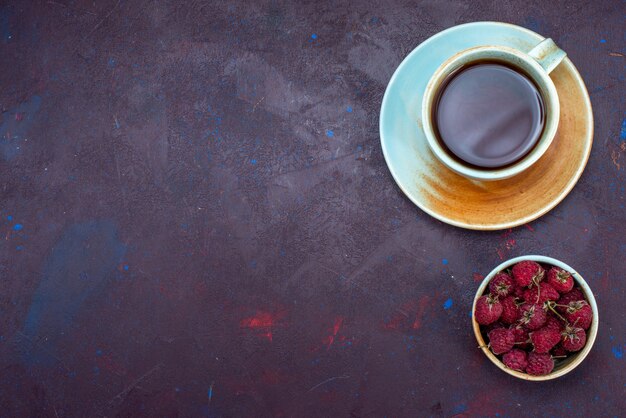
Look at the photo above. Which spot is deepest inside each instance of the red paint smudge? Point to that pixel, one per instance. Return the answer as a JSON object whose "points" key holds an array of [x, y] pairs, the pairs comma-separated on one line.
{"points": [[19, 116], [478, 277], [530, 228], [510, 243], [262, 323], [106, 362], [328, 341], [500, 254], [272, 377], [485, 404], [423, 303]]}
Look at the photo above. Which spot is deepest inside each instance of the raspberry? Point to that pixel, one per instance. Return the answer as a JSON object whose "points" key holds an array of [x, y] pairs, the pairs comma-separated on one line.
{"points": [[501, 340], [545, 339], [539, 364], [510, 310], [518, 292], [501, 285], [527, 272], [515, 359], [541, 293], [559, 351], [521, 336], [574, 338], [488, 328], [560, 279], [579, 313], [488, 310], [571, 296], [533, 316], [553, 323]]}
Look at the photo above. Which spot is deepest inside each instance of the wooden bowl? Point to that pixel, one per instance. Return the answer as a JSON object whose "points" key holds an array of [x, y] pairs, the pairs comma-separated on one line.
{"points": [[574, 359]]}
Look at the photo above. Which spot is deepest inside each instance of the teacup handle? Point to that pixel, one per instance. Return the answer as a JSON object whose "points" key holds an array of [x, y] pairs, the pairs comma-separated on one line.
{"points": [[547, 54]]}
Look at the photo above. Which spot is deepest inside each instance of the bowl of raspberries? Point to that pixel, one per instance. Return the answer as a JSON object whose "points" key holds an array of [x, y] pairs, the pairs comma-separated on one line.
{"points": [[535, 317]]}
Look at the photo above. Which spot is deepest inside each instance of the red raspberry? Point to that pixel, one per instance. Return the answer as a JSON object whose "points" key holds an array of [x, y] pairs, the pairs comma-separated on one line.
{"points": [[554, 323], [560, 279], [559, 351], [541, 293], [501, 340], [515, 359], [539, 364], [510, 310], [571, 296], [488, 310], [579, 314], [501, 285], [545, 339], [521, 336], [488, 328], [574, 338], [527, 272], [533, 316], [518, 292]]}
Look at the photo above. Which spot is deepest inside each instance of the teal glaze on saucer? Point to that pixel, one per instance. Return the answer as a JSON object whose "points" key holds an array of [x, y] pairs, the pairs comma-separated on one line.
{"points": [[422, 177]]}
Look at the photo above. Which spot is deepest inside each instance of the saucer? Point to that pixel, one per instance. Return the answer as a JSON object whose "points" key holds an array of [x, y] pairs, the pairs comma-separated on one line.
{"points": [[460, 201]]}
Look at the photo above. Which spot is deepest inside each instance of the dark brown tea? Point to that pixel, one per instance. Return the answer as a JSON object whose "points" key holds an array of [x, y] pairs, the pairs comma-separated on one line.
{"points": [[488, 114]]}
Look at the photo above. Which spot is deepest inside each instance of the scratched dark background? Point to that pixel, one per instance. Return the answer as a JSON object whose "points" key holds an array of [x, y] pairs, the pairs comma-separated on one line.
{"points": [[197, 219]]}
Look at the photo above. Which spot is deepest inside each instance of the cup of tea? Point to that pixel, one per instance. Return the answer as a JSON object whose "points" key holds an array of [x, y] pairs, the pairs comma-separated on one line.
{"points": [[490, 112]]}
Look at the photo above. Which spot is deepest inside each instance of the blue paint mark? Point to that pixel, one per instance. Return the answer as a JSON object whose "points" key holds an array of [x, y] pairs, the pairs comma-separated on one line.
{"points": [[253, 161], [126, 267], [91, 247], [447, 304], [622, 133], [15, 126], [184, 226], [330, 133], [177, 389], [314, 36], [349, 109], [9, 218], [459, 409], [282, 252], [98, 352], [611, 337], [602, 41], [5, 29], [390, 258], [111, 62], [210, 392], [359, 147], [18, 227], [253, 264], [618, 351], [444, 261], [96, 370], [19, 248], [395, 222]]}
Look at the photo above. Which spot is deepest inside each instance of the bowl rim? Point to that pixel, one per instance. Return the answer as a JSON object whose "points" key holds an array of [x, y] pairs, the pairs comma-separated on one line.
{"points": [[591, 335]]}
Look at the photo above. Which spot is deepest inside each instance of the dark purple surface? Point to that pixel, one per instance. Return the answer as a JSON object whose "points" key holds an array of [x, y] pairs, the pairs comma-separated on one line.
{"points": [[197, 218]]}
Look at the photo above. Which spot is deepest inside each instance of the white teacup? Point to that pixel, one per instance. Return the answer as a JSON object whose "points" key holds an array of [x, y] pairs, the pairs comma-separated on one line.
{"points": [[536, 64]]}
